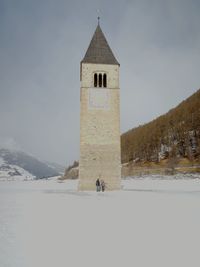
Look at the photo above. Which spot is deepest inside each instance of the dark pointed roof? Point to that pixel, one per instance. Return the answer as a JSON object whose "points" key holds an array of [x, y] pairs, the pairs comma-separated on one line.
{"points": [[99, 51]]}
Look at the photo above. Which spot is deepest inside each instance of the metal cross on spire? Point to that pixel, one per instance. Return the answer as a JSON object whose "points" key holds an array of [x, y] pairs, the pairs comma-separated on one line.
{"points": [[98, 12]]}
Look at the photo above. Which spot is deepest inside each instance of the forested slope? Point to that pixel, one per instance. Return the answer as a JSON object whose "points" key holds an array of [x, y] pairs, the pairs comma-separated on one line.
{"points": [[175, 134]]}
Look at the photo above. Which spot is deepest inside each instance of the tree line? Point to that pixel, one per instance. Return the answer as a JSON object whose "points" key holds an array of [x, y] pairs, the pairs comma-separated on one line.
{"points": [[175, 134]]}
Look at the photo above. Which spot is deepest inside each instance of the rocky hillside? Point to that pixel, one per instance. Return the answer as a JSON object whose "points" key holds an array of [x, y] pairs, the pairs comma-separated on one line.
{"points": [[20, 164], [71, 172], [171, 136]]}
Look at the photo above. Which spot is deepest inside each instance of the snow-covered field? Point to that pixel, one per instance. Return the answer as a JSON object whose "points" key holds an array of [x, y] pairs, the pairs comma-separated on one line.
{"points": [[151, 222]]}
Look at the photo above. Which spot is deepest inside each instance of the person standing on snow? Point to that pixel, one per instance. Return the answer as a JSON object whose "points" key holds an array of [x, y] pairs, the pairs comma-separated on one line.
{"points": [[103, 185], [98, 185]]}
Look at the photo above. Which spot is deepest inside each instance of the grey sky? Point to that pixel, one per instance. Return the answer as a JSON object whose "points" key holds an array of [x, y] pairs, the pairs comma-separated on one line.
{"points": [[43, 41]]}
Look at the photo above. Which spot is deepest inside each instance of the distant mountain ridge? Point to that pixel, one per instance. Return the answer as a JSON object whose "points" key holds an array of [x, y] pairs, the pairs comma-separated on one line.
{"points": [[21, 163], [173, 135]]}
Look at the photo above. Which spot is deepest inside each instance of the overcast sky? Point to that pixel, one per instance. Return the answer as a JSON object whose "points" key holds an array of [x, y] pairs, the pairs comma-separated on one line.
{"points": [[43, 41]]}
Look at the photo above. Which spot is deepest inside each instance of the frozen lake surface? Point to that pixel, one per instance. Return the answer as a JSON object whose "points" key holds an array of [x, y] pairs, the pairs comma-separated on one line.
{"points": [[151, 222]]}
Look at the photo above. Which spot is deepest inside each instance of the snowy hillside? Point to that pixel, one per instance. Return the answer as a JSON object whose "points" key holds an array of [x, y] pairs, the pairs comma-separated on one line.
{"points": [[9, 172], [17, 165]]}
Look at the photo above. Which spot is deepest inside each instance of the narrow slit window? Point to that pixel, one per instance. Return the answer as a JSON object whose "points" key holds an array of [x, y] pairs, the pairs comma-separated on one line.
{"points": [[95, 80], [100, 80], [104, 80]]}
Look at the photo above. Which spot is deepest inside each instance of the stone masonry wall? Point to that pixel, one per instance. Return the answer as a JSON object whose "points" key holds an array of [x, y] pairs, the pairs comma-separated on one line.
{"points": [[99, 129]]}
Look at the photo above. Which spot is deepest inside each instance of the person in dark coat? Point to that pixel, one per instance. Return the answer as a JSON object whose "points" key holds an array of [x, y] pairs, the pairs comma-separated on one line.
{"points": [[98, 185]]}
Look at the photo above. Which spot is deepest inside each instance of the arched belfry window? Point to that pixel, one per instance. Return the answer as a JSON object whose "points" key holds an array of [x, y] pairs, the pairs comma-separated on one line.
{"points": [[104, 80], [100, 80], [95, 80]]}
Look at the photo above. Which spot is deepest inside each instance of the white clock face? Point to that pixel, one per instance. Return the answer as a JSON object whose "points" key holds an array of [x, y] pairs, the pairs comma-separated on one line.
{"points": [[99, 98]]}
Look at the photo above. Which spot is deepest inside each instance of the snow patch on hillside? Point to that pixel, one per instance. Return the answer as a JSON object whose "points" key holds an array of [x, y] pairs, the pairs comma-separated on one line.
{"points": [[9, 172], [1, 161]]}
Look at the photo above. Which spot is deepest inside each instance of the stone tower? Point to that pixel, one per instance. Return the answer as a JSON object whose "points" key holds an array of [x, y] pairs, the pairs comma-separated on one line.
{"points": [[100, 155]]}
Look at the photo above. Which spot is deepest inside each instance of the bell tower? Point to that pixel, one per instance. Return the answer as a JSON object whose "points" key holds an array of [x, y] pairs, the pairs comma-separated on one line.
{"points": [[100, 155]]}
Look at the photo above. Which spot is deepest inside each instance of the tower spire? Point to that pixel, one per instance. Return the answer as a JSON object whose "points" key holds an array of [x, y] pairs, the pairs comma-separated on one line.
{"points": [[99, 52]]}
